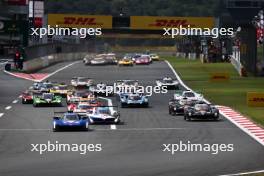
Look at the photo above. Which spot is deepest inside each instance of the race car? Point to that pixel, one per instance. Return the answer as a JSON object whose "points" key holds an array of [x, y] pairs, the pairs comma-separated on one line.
{"points": [[176, 107], [98, 61], [168, 82], [189, 95], [143, 60], [27, 96], [126, 86], [111, 59], [81, 82], [102, 89], [154, 57], [47, 99], [41, 86], [70, 120], [201, 110], [104, 115], [60, 89], [83, 106], [81, 95], [125, 62], [133, 99]]}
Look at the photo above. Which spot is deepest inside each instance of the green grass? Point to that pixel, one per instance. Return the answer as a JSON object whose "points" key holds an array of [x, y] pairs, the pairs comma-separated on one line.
{"points": [[230, 93]]}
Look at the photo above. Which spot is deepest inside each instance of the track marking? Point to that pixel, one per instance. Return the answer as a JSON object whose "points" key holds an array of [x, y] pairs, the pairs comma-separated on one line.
{"points": [[1, 114], [113, 127], [8, 107], [60, 69], [233, 116], [245, 173], [15, 101]]}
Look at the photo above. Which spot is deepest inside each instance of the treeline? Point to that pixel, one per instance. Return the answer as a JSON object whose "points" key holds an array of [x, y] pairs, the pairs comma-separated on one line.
{"points": [[136, 7]]}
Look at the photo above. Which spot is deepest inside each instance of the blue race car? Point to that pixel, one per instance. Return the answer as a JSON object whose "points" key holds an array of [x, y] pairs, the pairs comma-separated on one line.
{"points": [[133, 99], [70, 120]]}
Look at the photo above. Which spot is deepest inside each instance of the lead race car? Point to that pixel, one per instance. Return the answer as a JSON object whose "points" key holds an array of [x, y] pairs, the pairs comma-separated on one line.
{"points": [[168, 82], [104, 114], [47, 99], [133, 99], [69, 120], [202, 111]]}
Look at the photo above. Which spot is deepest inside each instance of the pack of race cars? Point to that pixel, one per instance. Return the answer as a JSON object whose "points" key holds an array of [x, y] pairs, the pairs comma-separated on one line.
{"points": [[129, 59], [85, 105]]}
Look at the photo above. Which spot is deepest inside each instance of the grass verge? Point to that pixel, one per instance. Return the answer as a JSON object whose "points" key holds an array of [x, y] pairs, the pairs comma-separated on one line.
{"points": [[230, 93]]}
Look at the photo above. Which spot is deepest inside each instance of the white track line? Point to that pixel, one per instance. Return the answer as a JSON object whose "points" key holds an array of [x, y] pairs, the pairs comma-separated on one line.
{"points": [[49, 75], [1, 114], [8, 107], [113, 127], [228, 111], [15, 101], [245, 173]]}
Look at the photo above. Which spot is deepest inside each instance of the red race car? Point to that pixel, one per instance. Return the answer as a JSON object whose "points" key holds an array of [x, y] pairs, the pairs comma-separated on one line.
{"points": [[27, 96], [143, 60]]}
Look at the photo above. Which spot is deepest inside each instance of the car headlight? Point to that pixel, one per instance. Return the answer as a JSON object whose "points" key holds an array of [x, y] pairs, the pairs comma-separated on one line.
{"points": [[175, 108], [190, 114], [215, 114]]}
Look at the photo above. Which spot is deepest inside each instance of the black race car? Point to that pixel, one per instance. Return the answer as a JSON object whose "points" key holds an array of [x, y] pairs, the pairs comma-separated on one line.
{"points": [[176, 107], [202, 111]]}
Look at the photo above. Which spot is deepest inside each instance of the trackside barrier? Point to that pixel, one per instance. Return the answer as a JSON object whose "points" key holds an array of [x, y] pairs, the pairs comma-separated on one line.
{"points": [[45, 61]]}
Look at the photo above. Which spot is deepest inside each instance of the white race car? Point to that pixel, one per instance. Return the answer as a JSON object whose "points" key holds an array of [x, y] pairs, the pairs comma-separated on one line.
{"points": [[104, 115], [168, 82], [81, 81], [190, 95]]}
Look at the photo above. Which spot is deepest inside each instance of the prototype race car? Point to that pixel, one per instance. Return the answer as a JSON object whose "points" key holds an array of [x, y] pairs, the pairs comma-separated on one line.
{"points": [[77, 96], [111, 59], [60, 89], [42, 86], [188, 94], [47, 99], [168, 82], [133, 99], [176, 107], [70, 120], [154, 57], [143, 60], [201, 111], [74, 105], [81, 82], [104, 115], [27, 96], [125, 62]]}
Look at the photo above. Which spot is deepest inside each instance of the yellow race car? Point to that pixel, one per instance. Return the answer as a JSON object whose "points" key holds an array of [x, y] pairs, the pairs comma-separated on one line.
{"points": [[126, 62], [154, 57], [60, 89]]}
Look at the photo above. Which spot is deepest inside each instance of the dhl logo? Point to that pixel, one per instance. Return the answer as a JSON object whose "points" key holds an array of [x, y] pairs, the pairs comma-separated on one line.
{"points": [[80, 21], [171, 23], [257, 99]]}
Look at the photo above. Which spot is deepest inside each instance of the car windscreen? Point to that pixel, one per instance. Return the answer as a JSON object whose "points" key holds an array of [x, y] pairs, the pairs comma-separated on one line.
{"points": [[201, 107], [48, 96], [104, 110], [70, 117], [189, 94], [82, 79], [134, 97]]}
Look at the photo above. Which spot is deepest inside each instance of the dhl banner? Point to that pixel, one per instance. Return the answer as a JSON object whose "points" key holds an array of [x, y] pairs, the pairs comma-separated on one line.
{"points": [[159, 22], [214, 77], [80, 21], [255, 99]]}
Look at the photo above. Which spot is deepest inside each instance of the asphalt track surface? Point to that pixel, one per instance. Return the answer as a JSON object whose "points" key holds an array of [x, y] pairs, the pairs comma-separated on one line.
{"points": [[134, 148]]}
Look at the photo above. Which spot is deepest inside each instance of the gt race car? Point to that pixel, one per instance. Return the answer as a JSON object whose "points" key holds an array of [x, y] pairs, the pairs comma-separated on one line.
{"points": [[133, 99], [143, 60], [104, 114], [125, 62], [202, 111], [177, 107], [69, 120], [47, 99], [168, 82], [154, 57]]}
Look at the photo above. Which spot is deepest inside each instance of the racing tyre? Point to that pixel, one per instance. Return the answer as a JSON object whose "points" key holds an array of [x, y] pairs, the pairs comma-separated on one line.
{"points": [[23, 101]]}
